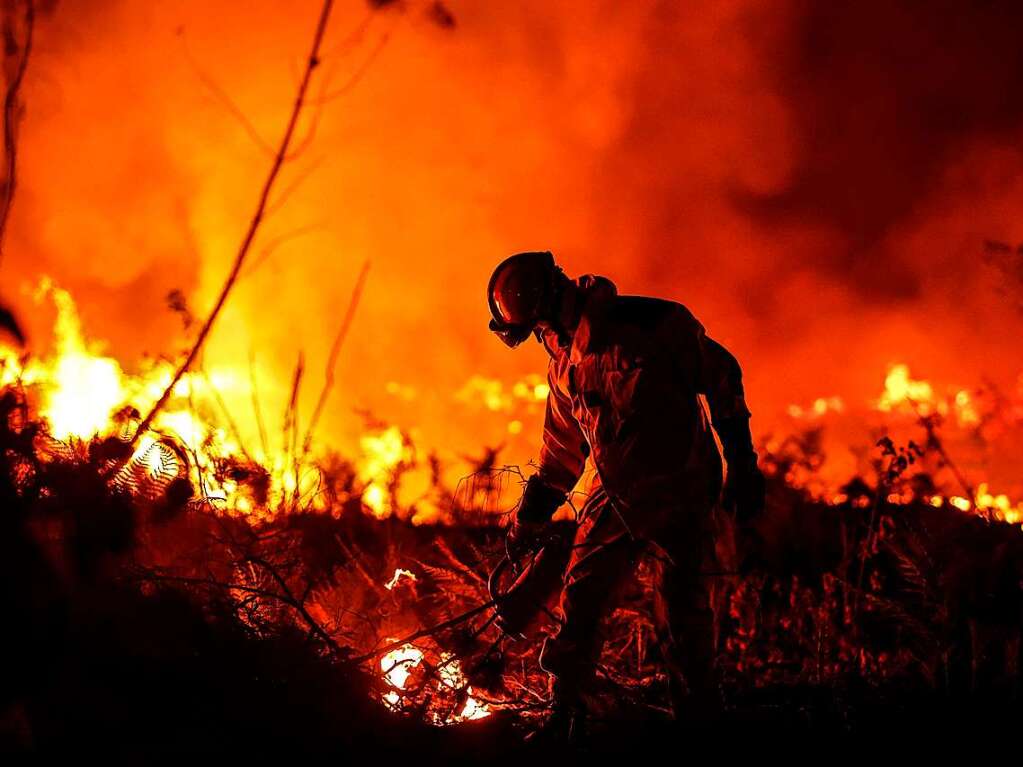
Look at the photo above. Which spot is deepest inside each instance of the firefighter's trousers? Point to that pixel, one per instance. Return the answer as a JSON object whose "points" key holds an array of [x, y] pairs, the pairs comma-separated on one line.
{"points": [[605, 558]]}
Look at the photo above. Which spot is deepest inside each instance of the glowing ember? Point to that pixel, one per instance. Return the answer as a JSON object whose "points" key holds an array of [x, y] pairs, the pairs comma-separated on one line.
{"points": [[451, 676], [397, 666], [399, 573]]}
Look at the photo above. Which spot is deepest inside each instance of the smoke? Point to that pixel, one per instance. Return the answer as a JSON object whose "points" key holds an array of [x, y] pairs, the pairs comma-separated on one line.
{"points": [[815, 181]]}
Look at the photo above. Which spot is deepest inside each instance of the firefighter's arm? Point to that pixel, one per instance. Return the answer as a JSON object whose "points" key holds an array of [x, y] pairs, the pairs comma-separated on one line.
{"points": [[563, 454], [721, 383], [562, 459], [710, 369]]}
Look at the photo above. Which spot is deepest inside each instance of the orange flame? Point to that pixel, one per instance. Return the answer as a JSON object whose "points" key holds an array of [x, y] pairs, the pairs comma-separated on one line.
{"points": [[399, 573], [397, 667]]}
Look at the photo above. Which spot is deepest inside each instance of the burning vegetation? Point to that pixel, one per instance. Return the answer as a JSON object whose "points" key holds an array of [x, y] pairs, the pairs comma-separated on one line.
{"points": [[190, 558], [901, 584]]}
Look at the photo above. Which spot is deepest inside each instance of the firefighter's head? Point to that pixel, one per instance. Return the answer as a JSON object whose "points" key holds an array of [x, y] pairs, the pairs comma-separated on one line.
{"points": [[526, 294]]}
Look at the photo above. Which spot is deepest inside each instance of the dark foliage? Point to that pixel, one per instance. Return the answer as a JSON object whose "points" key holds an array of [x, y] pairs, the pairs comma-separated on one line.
{"points": [[147, 623], [100, 658]]}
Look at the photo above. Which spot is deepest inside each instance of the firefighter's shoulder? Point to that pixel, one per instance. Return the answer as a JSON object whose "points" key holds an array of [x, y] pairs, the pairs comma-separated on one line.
{"points": [[651, 313]]}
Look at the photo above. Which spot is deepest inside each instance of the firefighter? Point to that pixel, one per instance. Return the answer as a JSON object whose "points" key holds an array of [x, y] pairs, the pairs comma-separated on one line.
{"points": [[625, 375]]}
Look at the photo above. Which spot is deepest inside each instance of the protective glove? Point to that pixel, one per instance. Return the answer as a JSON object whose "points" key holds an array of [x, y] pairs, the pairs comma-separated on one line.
{"points": [[744, 486], [745, 490], [523, 538], [749, 546], [537, 506]]}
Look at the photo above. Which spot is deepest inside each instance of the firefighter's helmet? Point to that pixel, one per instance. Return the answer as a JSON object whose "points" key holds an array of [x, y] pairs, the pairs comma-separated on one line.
{"points": [[522, 292]]}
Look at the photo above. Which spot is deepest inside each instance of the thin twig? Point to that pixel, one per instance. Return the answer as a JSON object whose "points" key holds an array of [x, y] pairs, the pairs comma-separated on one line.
{"points": [[335, 350], [231, 424], [286, 598], [359, 73], [11, 105], [935, 441], [457, 657], [347, 44], [289, 436], [250, 235], [297, 605], [457, 620], [221, 95], [270, 247], [352, 555], [256, 408], [296, 182], [868, 542]]}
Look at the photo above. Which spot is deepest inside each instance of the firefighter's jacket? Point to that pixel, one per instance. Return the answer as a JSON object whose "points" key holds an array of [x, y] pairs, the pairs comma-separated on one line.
{"points": [[625, 392]]}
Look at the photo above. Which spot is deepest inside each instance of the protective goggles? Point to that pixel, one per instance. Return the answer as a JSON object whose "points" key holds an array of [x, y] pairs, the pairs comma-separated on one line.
{"points": [[511, 335]]}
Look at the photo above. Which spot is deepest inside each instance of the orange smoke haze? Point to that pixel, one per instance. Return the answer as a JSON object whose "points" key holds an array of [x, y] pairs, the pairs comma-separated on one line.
{"points": [[815, 181]]}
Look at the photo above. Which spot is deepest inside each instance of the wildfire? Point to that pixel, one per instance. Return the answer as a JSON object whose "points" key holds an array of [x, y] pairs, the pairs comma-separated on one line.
{"points": [[398, 666], [998, 506], [819, 408], [81, 393], [903, 393], [958, 412], [87, 386], [523, 397], [900, 390], [382, 453], [80, 386]]}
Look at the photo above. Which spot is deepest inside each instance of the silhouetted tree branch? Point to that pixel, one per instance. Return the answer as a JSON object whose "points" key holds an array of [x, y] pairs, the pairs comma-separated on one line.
{"points": [[250, 235], [335, 350], [12, 104]]}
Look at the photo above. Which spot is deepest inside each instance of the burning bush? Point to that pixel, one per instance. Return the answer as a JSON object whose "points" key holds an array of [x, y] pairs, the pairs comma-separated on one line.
{"points": [[145, 606], [882, 587]]}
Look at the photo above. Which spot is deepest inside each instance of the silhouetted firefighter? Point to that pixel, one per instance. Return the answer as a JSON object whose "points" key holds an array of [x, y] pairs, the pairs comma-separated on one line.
{"points": [[625, 377]]}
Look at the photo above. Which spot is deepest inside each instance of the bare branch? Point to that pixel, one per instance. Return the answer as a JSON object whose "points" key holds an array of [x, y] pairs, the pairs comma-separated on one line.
{"points": [[290, 421], [12, 105], [250, 235], [268, 249], [298, 605], [335, 350], [256, 408], [358, 74], [231, 423], [456, 621], [220, 95]]}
